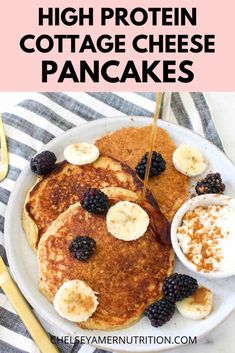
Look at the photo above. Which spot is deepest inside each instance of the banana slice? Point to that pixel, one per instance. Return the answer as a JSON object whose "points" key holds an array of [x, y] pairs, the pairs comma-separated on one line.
{"points": [[115, 192], [189, 161], [81, 153], [127, 221], [198, 306], [75, 301]]}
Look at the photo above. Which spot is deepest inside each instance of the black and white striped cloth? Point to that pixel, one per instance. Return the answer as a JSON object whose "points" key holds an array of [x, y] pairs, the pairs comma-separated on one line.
{"points": [[40, 118]]}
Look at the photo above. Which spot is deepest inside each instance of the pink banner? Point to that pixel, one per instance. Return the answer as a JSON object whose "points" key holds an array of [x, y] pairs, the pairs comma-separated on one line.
{"points": [[117, 45]]}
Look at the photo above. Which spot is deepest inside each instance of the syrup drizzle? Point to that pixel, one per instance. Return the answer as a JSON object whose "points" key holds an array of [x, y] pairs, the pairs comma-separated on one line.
{"points": [[152, 140]]}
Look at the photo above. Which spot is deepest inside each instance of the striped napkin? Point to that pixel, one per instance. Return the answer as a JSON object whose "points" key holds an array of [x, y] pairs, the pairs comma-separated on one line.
{"points": [[37, 120]]}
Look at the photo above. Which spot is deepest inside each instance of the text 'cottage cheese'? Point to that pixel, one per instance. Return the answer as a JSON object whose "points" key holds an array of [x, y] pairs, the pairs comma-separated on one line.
{"points": [[207, 238]]}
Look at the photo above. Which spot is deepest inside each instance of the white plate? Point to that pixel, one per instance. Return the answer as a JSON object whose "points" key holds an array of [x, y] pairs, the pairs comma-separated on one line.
{"points": [[23, 261]]}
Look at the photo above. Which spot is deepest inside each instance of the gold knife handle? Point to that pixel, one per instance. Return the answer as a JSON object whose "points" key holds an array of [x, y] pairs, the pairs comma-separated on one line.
{"points": [[4, 153], [31, 322]]}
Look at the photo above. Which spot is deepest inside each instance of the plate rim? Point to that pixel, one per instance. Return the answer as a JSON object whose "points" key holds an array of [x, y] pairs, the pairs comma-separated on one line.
{"points": [[16, 276]]}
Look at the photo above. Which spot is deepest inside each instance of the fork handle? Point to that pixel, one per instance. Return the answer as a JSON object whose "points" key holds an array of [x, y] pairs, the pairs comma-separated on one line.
{"points": [[21, 306]]}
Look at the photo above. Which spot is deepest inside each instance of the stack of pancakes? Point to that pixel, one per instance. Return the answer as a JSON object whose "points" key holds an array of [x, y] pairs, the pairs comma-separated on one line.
{"points": [[127, 276]]}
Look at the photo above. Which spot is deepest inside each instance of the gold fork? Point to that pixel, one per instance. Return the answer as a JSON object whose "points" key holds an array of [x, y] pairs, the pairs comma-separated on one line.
{"points": [[17, 300], [4, 153]]}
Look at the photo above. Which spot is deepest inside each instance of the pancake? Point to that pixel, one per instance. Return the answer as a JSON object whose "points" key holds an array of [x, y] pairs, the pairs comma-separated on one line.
{"points": [[127, 276], [52, 194], [171, 188]]}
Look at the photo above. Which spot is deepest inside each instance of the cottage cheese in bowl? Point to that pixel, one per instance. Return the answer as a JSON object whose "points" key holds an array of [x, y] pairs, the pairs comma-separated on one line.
{"points": [[203, 235]]}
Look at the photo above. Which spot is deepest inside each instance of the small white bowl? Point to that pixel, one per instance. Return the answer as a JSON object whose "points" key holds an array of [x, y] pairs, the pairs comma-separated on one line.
{"points": [[204, 201]]}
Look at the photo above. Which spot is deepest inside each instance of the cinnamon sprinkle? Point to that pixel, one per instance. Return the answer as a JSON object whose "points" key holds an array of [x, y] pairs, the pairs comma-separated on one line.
{"points": [[200, 296], [199, 238]]}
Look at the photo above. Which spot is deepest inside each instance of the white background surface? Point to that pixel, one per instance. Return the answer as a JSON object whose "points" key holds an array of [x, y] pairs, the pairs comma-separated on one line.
{"points": [[221, 340]]}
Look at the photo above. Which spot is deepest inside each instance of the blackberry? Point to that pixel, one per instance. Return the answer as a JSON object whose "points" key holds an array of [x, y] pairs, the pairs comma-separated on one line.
{"points": [[211, 184], [158, 165], [160, 312], [43, 162], [82, 247], [95, 201], [179, 286]]}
